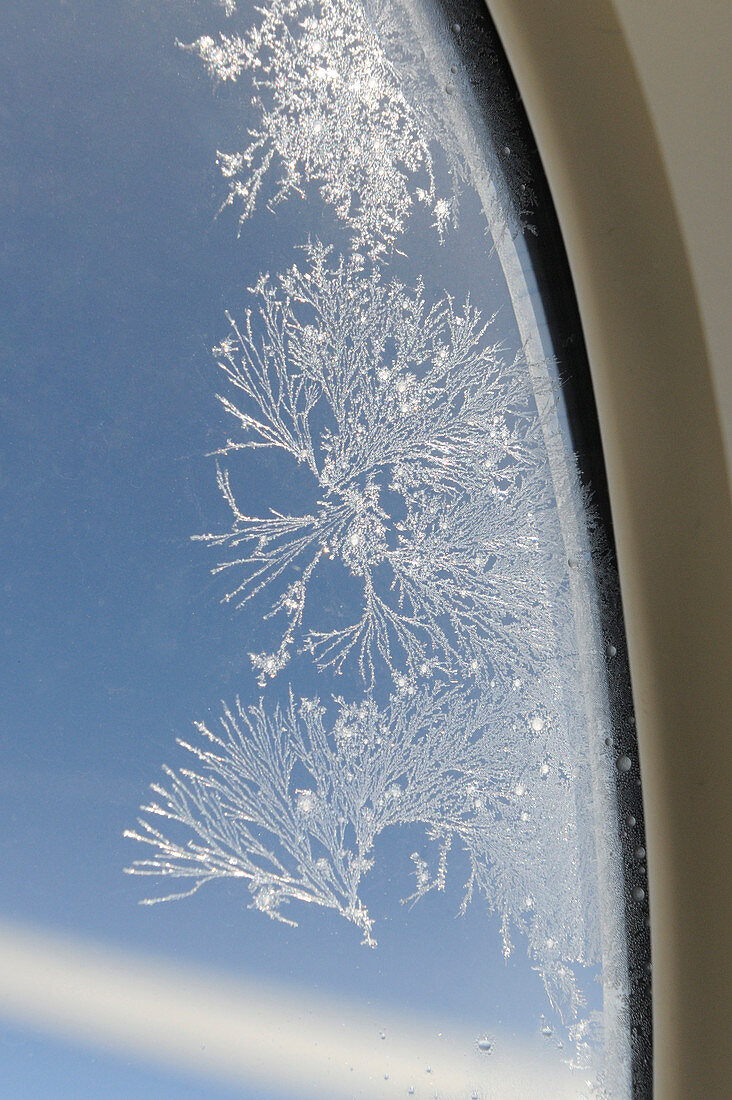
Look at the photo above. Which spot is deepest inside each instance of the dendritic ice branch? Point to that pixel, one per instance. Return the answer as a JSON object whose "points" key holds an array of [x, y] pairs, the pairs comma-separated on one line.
{"points": [[292, 801], [429, 479], [330, 110], [294, 807]]}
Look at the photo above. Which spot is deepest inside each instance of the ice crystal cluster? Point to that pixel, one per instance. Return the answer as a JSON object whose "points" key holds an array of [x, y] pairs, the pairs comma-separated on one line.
{"points": [[420, 576], [430, 495], [429, 484], [331, 111], [293, 799]]}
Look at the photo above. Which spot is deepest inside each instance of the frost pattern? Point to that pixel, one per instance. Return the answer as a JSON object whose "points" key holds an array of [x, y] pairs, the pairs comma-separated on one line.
{"points": [[429, 485], [429, 509], [429, 494], [332, 111], [293, 802]]}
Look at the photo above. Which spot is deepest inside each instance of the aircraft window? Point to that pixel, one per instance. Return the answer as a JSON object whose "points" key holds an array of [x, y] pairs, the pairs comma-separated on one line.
{"points": [[306, 526]]}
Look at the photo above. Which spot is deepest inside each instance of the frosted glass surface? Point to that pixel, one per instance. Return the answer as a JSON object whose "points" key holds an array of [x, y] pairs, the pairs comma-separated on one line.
{"points": [[294, 533]]}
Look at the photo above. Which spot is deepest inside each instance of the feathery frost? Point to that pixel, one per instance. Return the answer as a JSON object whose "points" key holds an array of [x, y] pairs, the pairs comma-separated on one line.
{"points": [[430, 496], [292, 801], [429, 484], [331, 111], [427, 506]]}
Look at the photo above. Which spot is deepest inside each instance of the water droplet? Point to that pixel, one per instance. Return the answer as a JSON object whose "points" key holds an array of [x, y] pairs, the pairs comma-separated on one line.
{"points": [[638, 893], [456, 28], [537, 723], [630, 820], [449, 88], [624, 764], [640, 852], [410, 1090], [608, 741], [611, 651], [485, 1045], [546, 1031]]}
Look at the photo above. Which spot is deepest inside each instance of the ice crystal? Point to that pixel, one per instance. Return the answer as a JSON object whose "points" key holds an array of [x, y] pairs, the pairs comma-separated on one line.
{"points": [[293, 801], [411, 444], [429, 485], [331, 111]]}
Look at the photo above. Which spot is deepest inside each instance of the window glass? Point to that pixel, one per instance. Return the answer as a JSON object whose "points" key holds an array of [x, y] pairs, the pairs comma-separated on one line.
{"points": [[298, 531]]}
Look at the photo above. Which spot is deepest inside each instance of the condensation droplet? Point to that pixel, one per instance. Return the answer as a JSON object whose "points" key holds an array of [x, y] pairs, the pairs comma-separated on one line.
{"points": [[611, 651], [624, 763], [449, 88], [630, 820], [640, 852], [485, 1045], [638, 893], [456, 28]]}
